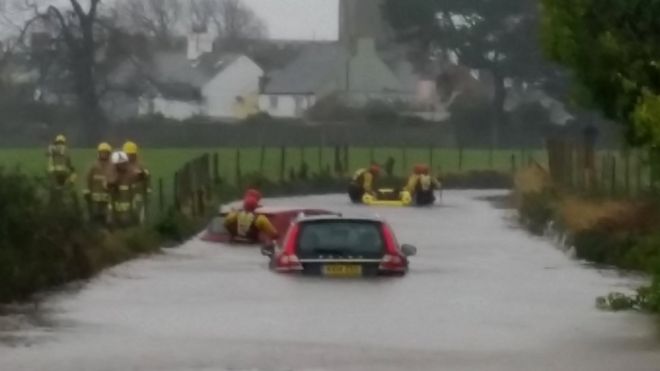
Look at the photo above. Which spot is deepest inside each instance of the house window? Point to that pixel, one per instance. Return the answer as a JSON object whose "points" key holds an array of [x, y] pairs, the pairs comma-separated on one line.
{"points": [[274, 101], [298, 105]]}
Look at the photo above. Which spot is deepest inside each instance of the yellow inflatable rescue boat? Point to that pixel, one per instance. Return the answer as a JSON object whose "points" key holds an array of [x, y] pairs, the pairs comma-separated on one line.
{"points": [[388, 197]]}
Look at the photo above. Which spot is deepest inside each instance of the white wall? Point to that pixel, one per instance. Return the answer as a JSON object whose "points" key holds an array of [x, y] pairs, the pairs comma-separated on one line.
{"points": [[286, 106], [241, 78], [174, 109]]}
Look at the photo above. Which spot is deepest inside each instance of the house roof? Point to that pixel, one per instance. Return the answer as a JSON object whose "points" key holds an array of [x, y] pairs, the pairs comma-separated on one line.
{"points": [[307, 73], [172, 74], [176, 67]]}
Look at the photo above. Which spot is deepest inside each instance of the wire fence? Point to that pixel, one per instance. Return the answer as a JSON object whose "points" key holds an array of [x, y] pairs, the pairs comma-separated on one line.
{"points": [[625, 172], [190, 189]]}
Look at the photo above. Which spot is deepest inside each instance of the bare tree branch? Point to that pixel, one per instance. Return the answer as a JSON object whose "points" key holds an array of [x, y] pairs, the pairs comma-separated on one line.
{"points": [[160, 19], [231, 19]]}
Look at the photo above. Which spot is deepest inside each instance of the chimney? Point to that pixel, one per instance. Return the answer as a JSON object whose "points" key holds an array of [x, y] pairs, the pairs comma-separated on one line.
{"points": [[200, 41], [366, 46]]}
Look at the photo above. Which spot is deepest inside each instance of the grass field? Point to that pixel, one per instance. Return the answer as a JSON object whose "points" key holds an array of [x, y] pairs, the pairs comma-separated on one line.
{"points": [[163, 163]]}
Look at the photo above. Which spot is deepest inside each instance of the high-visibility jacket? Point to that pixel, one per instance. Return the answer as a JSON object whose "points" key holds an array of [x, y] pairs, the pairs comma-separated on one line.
{"points": [[423, 182], [97, 181], [364, 179], [247, 225], [59, 164], [427, 183], [122, 195], [142, 178], [411, 185]]}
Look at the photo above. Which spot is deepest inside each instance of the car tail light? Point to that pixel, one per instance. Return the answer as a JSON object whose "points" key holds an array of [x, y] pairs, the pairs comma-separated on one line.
{"points": [[392, 261], [288, 261]]}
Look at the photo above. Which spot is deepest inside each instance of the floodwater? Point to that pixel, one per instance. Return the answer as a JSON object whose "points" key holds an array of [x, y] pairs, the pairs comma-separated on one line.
{"points": [[481, 295]]}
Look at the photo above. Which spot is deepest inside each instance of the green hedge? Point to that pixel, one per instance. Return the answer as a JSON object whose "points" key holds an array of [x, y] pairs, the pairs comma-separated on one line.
{"points": [[44, 243], [627, 249]]}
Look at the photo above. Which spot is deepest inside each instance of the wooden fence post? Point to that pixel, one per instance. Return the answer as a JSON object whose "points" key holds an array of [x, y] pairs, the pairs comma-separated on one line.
{"points": [[177, 189], [262, 159], [237, 167], [431, 157], [208, 181], [404, 160], [347, 160], [161, 196], [613, 174], [302, 156], [216, 168], [513, 163], [282, 163], [639, 172], [569, 163], [603, 172], [460, 158], [626, 171]]}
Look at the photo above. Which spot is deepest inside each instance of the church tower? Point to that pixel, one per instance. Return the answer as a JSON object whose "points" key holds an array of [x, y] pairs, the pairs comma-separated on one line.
{"points": [[362, 19]]}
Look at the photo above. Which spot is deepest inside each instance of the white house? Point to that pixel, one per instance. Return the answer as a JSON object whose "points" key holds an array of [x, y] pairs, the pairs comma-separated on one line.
{"points": [[214, 84], [325, 69]]}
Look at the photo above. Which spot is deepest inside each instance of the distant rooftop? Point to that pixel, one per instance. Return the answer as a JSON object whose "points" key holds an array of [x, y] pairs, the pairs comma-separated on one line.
{"points": [[314, 65]]}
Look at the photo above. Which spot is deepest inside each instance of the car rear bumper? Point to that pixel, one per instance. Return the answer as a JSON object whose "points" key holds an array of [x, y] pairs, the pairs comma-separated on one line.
{"points": [[369, 267]]}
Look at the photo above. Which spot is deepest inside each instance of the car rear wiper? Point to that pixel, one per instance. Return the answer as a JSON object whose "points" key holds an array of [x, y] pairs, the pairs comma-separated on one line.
{"points": [[329, 252]]}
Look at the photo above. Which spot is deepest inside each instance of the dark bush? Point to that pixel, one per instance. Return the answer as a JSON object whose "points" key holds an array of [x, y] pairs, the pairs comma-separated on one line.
{"points": [[536, 211], [44, 243], [380, 113], [487, 179]]}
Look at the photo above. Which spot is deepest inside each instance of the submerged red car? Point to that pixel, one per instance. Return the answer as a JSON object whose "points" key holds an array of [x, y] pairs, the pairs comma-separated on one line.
{"points": [[280, 217], [337, 246]]}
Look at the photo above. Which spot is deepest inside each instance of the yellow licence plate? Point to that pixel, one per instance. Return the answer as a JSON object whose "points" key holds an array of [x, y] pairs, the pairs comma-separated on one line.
{"points": [[337, 270]]}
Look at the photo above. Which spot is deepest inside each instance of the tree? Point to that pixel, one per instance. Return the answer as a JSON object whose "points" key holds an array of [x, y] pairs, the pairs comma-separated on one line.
{"points": [[160, 19], [78, 30], [76, 37], [612, 49], [233, 21], [496, 37]]}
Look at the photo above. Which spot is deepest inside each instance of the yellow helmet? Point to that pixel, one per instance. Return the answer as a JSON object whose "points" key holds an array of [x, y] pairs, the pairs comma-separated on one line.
{"points": [[130, 148], [60, 139], [104, 147]]}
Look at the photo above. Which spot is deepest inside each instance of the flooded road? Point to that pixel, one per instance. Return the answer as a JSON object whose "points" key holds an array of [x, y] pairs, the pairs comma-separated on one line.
{"points": [[481, 295]]}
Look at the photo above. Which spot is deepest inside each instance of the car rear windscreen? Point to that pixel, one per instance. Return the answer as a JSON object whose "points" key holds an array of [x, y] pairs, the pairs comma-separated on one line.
{"points": [[341, 238]]}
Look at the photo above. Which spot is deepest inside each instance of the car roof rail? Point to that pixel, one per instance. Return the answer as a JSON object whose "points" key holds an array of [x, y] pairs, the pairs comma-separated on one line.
{"points": [[302, 215]]}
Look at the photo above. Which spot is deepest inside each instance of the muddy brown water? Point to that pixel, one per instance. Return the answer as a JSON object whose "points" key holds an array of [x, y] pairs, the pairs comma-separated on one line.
{"points": [[481, 295]]}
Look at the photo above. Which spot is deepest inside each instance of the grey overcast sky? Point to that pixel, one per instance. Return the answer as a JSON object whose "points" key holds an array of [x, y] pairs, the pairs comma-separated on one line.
{"points": [[286, 19], [296, 19]]}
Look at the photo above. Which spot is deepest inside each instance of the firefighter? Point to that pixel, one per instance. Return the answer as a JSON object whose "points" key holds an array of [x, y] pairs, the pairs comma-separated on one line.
{"points": [[60, 168], [425, 188], [122, 192], [141, 181], [363, 182], [96, 192], [411, 185], [252, 192], [246, 225]]}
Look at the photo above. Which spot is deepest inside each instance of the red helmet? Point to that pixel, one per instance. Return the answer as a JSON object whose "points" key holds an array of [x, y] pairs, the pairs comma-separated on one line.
{"points": [[250, 203], [253, 193], [374, 169], [418, 169], [425, 169]]}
